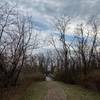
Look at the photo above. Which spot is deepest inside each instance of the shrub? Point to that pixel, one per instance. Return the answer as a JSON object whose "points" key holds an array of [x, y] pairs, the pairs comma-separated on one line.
{"points": [[66, 77], [38, 77], [92, 80]]}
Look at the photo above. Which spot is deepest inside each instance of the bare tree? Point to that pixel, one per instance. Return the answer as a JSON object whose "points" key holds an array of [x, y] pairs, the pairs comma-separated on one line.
{"points": [[15, 41], [61, 25]]}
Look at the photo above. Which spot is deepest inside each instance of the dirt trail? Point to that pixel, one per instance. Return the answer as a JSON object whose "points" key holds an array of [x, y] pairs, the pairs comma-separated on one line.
{"points": [[55, 92]]}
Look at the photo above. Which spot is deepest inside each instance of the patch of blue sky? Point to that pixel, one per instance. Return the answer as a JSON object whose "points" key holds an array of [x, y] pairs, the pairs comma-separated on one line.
{"points": [[40, 26], [70, 37]]}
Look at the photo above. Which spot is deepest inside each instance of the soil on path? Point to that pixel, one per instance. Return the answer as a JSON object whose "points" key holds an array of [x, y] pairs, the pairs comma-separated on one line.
{"points": [[55, 92]]}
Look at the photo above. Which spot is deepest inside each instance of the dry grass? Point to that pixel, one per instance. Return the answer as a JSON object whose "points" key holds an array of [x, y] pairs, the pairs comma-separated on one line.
{"points": [[75, 92], [36, 91], [50, 90], [16, 92]]}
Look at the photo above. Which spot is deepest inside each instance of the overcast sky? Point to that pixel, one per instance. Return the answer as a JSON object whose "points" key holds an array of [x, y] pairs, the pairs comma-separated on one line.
{"points": [[44, 10], [59, 7]]}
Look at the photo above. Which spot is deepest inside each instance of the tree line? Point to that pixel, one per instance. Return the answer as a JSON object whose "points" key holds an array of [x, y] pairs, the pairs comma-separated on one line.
{"points": [[71, 63]]}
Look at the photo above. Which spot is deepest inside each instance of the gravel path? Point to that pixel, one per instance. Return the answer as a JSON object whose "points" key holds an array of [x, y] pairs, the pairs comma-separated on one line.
{"points": [[55, 92]]}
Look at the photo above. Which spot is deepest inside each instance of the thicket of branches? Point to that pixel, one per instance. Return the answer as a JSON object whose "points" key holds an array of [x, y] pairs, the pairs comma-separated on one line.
{"points": [[71, 63], [80, 57], [16, 31]]}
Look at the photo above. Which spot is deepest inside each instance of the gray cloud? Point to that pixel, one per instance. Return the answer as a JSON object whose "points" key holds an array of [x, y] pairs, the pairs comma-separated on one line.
{"points": [[46, 9], [61, 7]]}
